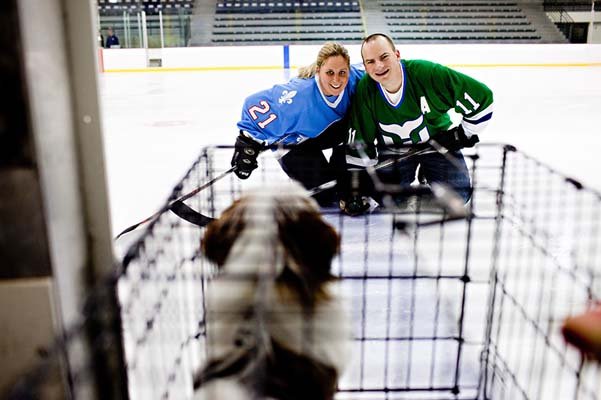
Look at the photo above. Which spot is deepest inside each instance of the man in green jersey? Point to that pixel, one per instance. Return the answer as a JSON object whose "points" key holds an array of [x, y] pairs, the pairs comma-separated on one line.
{"points": [[401, 104]]}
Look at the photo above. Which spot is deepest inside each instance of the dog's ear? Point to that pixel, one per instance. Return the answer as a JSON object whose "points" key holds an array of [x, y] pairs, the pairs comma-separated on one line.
{"points": [[221, 233], [312, 243]]}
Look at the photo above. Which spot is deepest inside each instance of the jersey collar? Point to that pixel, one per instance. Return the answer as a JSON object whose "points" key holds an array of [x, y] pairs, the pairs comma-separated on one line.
{"points": [[383, 91], [331, 104]]}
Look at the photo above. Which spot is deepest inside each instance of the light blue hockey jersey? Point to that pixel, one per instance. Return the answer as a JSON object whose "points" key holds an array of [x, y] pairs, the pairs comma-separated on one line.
{"points": [[292, 112]]}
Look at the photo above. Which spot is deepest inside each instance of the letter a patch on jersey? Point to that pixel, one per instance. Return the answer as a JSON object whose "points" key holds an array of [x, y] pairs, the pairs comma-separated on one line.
{"points": [[424, 105]]}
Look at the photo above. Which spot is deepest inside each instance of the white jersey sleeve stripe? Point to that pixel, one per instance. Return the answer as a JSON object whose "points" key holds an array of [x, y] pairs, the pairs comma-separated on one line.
{"points": [[360, 162], [474, 118], [474, 129]]}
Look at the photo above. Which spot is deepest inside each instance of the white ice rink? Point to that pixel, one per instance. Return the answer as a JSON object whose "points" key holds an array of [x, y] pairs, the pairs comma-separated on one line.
{"points": [[155, 123]]}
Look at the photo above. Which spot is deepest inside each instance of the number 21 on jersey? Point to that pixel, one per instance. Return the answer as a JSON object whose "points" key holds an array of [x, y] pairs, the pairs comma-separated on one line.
{"points": [[259, 111]]}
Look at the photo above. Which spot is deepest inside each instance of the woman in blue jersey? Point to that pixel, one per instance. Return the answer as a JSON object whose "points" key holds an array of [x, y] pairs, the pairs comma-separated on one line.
{"points": [[307, 112]]}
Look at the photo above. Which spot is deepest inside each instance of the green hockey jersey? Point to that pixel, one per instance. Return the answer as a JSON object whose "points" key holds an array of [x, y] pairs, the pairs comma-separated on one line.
{"points": [[429, 91]]}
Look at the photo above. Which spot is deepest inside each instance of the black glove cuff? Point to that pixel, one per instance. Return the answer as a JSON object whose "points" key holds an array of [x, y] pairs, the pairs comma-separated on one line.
{"points": [[354, 181], [455, 139], [245, 141], [246, 151]]}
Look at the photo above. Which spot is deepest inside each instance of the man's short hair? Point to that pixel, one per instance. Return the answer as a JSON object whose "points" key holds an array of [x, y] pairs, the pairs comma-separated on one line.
{"points": [[371, 37]]}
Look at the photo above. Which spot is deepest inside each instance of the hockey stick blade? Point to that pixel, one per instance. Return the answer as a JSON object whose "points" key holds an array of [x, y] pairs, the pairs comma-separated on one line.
{"points": [[177, 202], [186, 213]]}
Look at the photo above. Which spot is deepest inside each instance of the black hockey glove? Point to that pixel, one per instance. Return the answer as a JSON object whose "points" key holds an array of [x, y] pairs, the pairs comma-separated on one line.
{"points": [[352, 183], [455, 139], [354, 205], [245, 156]]}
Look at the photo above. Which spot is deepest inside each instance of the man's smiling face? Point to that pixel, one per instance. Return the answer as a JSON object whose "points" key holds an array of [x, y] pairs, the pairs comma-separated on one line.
{"points": [[381, 62]]}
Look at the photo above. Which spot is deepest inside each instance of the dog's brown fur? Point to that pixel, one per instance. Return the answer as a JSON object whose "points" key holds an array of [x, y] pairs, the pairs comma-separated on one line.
{"points": [[277, 361], [306, 237]]}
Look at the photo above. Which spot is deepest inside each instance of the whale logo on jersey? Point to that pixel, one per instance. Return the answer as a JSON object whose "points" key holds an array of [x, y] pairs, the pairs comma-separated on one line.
{"points": [[404, 131], [287, 97]]}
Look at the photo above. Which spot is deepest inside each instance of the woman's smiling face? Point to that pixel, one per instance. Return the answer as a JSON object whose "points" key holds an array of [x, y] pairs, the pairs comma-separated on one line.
{"points": [[333, 75]]}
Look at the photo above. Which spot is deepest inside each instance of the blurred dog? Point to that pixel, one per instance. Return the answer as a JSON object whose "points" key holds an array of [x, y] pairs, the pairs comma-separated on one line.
{"points": [[276, 324]]}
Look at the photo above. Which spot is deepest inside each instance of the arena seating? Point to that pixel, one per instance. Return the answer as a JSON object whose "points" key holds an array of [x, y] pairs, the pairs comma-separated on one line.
{"points": [[410, 21], [471, 21], [285, 28], [117, 7], [240, 22], [301, 21], [303, 6]]}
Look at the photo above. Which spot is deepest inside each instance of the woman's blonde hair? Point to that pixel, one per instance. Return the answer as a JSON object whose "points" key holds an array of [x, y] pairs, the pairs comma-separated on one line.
{"points": [[329, 49]]}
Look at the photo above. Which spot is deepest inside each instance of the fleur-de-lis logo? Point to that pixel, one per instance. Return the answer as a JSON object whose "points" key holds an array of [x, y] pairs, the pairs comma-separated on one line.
{"points": [[287, 97]]}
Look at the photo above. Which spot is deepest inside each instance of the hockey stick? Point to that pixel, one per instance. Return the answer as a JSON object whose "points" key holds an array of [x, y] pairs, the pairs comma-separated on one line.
{"points": [[179, 208], [443, 193], [446, 197], [411, 153]]}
